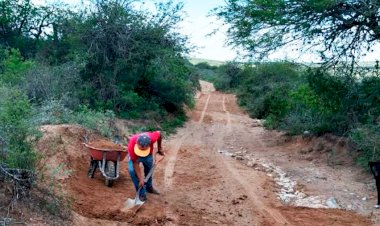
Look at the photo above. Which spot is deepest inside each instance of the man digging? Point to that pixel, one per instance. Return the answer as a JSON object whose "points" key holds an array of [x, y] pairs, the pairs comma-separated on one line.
{"points": [[140, 150]]}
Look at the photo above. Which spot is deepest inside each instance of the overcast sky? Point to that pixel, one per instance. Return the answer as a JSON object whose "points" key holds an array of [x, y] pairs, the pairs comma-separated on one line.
{"points": [[197, 25]]}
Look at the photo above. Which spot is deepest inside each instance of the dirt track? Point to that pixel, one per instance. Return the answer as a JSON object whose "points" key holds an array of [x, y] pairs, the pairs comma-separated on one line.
{"points": [[201, 183]]}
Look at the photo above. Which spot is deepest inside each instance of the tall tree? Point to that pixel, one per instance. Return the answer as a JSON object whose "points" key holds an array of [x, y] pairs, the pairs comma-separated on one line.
{"points": [[23, 24], [336, 28]]}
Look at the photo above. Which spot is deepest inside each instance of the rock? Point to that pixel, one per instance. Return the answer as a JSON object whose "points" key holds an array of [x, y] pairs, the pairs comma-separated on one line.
{"points": [[239, 158], [331, 203], [251, 164], [364, 199], [234, 202], [306, 133]]}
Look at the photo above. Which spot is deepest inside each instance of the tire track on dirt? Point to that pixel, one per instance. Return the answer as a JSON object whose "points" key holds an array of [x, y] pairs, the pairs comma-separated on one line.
{"points": [[204, 109], [172, 158], [243, 182], [174, 146]]}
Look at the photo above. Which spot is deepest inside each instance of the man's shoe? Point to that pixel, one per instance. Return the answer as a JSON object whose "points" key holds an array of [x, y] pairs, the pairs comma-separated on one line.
{"points": [[153, 191], [143, 198]]}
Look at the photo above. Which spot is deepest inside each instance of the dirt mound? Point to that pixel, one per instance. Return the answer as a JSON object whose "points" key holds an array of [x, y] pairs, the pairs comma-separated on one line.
{"points": [[63, 148], [333, 150], [105, 145]]}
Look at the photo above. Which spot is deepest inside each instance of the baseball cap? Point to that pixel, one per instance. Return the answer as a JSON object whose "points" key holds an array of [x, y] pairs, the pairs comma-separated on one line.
{"points": [[144, 141]]}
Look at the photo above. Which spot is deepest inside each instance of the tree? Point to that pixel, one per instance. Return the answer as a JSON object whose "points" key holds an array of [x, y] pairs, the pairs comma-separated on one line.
{"points": [[23, 25], [336, 28], [134, 59]]}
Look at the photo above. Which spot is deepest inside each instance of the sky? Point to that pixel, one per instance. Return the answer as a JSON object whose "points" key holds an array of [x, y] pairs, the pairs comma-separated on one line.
{"points": [[197, 25]]}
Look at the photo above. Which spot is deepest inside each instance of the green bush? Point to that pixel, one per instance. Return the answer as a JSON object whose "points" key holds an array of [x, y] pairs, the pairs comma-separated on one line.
{"points": [[266, 89], [367, 138], [17, 129], [13, 67], [94, 120], [43, 83], [368, 108], [54, 112]]}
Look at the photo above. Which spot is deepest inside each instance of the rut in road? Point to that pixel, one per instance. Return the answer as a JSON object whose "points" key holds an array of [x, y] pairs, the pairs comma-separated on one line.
{"points": [[202, 166], [204, 187]]}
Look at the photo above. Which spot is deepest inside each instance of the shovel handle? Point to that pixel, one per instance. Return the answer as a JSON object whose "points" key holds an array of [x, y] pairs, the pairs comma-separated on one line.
{"points": [[148, 176]]}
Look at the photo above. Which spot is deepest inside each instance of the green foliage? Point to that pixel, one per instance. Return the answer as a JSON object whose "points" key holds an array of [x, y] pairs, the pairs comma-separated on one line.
{"points": [[54, 112], [134, 62], [225, 77], [28, 27], [43, 83], [116, 57], [367, 138], [16, 128], [13, 67], [172, 123], [94, 120], [229, 76], [266, 89], [369, 95], [206, 72], [336, 29]]}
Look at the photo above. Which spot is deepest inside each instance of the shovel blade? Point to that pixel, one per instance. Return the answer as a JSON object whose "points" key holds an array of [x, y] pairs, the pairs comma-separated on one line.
{"points": [[133, 202]]}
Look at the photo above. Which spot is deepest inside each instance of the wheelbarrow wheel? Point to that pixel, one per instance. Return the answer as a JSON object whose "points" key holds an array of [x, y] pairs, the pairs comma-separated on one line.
{"points": [[93, 165], [111, 172]]}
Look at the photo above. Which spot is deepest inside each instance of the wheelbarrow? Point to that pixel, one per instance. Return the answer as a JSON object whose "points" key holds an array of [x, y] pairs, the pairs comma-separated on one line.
{"points": [[107, 160]]}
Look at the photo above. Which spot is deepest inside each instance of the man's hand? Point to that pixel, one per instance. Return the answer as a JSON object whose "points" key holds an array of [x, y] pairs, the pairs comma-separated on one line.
{"points": [[158, 159], [141, 183]]}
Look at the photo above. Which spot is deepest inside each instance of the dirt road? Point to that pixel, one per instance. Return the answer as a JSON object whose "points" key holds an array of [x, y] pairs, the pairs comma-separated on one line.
{"points": [[221, 168]]}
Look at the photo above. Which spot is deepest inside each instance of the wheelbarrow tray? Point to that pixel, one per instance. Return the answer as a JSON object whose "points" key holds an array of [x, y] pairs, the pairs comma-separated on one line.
{"points": [[107, 160], [110, 154]]}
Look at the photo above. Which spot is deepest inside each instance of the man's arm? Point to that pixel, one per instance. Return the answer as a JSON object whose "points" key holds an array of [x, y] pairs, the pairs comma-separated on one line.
{"points": [[159, 146], [137, 170]]}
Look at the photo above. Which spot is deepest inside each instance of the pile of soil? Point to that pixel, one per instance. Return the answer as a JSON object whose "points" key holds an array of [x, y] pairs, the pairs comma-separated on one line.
{"points": [[92, 202], [106, 145]]}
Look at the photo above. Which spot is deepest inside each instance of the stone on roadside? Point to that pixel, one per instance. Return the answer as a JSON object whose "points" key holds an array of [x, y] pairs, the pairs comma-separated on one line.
{"points": [[332, 203]]}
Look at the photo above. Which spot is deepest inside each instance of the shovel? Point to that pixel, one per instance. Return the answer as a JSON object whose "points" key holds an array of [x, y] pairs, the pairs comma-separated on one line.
{"points": [[131, 203], [136, 201]]}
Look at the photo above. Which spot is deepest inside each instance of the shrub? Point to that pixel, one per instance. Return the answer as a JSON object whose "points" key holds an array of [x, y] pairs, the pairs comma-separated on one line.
{"points": [[94, 120], [43, 83], [13, 67], [367, 138], [54, 112], [265, 90], [17, 129]]}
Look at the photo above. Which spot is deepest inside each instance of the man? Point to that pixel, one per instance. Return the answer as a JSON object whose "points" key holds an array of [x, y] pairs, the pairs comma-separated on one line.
{"points": [[140, 149]]}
